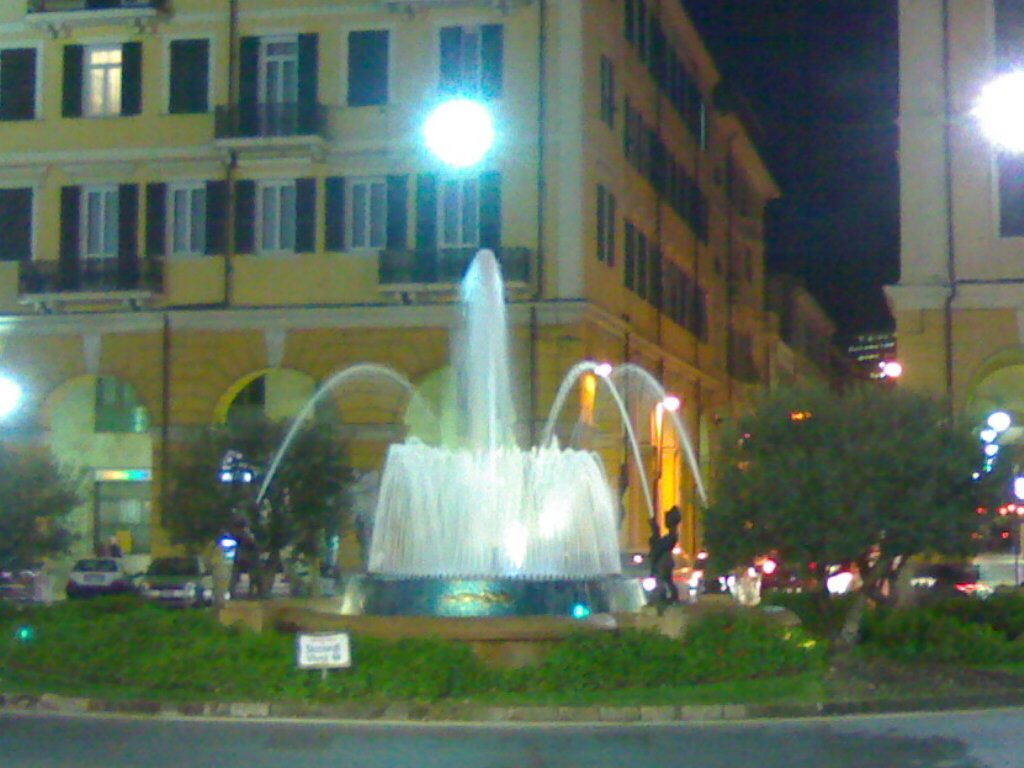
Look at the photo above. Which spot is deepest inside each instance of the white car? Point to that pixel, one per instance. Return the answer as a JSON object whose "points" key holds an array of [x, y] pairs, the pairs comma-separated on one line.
{"points": [[93, 576]]}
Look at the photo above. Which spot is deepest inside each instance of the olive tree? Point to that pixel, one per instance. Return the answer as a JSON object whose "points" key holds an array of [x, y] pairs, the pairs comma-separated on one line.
{"points": [[872, 476]]}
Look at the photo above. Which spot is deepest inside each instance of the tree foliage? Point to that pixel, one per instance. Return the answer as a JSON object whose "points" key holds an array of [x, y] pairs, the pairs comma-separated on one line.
{"points": [[305, 504], [872, 476], [36, 498]]}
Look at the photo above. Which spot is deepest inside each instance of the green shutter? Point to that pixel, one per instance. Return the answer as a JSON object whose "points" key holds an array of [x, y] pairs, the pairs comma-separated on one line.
{"points": [[72, 96]]}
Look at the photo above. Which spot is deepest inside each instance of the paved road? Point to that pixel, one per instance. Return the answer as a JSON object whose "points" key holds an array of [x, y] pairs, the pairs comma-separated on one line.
{"points": [[947, 740]]}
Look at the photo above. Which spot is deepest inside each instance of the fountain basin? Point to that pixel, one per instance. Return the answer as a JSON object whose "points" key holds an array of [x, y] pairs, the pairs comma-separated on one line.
{"points": [[381, 595]]}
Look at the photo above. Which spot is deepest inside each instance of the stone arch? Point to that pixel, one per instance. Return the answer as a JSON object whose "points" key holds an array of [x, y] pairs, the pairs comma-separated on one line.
{"points": [[998, 384], [98, 427]]}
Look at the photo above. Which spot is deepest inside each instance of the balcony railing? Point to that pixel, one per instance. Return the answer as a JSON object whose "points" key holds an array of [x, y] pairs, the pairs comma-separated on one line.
{"points": [[443, 268], [89, 275], [253, 121], [64, 6]]}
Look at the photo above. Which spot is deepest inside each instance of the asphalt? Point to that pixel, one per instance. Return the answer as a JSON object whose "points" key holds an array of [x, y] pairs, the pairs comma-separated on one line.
{"points": [[458, 712]]}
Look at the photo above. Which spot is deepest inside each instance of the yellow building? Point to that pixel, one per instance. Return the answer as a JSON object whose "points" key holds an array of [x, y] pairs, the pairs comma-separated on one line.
{"points": [[209, 203], [958, 305]]}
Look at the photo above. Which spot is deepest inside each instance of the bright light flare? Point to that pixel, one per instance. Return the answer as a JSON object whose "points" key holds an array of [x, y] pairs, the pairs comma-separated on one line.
{"points": [[769, 566], [1000, 421], [604, 370], [999, 111], [649, 584], [671, 403], [10, 396], [459, 132], [891, 369]]}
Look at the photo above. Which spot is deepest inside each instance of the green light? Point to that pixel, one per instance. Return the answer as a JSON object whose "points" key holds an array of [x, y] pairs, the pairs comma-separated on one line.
{"points": [[580, 611], [24, 633]]}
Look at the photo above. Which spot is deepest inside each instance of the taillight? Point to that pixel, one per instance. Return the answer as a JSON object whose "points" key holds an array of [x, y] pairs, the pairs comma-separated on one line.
{"points": [[968, 587]]}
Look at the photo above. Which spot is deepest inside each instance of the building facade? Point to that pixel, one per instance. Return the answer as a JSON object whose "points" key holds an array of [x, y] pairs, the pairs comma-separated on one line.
{"points": [[959, 303], [216, 204]]}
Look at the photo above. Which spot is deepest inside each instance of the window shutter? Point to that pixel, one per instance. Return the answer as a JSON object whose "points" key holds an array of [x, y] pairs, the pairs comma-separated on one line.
{"points": [[131, 79], [398, 213], [308, 47], [72, 97], [305, 215], [451, 60], [609, 254], [128, 236], [600, 222], [156, 219], [426, 212], [69, 242], [16, 223], [18, 84], [492, 58], [334, 215], [190, 77], [248, 85], [216, 217], [245, 216], [367, 68], [490, 211]]}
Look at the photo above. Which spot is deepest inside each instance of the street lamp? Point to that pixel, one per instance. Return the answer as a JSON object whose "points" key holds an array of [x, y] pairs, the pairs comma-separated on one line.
{"points": [[999, 111], [459, 132]]}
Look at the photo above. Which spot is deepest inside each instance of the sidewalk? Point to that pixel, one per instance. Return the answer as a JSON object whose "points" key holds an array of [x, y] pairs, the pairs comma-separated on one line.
{"points": [[471, 713]]}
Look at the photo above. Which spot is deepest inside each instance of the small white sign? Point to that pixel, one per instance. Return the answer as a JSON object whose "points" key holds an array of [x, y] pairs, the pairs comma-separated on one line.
{"points": [[323, 650]]}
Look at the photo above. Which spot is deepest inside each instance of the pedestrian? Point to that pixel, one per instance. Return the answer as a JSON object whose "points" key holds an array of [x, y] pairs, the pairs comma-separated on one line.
{"points": [[114, 548], [662, 555]]}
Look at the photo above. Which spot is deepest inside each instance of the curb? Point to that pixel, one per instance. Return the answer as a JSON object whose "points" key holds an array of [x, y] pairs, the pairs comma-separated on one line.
{"points": [[476, 714]]}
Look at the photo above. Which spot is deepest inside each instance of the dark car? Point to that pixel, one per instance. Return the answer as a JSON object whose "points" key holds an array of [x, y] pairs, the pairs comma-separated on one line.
{"points": [[93, 576], [182, 581], [938, 581]]}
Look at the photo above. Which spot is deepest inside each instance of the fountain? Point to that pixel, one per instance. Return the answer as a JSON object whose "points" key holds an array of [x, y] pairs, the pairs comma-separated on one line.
{"points": [[473, 524]]}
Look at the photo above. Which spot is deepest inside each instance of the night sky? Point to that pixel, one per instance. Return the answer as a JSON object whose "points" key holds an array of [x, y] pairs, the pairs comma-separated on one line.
{"points": [[822, 77]]}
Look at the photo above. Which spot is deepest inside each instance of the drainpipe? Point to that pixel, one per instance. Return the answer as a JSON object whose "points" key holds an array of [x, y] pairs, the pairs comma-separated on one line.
{"points": [[232, 164], [948, 173]]}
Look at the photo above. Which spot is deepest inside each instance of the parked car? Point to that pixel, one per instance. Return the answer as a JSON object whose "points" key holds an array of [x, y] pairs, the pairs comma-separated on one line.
{"points": [[936, 581], [93, 576], [182, 581]]}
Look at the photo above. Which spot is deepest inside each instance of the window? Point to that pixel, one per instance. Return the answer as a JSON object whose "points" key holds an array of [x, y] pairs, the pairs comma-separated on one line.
{"points": [[276, 208], [607, 91], [472, 60], [102, 82], [459, 213], [279, 70], [640, 283], [368, 211], [367, 68], [605, 226], [630, 262], [186, 218], [99, 214], [123, 510], [18, 84], [117, 407], [189, 77]]}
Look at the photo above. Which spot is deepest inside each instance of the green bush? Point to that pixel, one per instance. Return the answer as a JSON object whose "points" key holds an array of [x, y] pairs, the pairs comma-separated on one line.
{"points": [[820, 615], [935, 634], [716, 649], [188, 654]]}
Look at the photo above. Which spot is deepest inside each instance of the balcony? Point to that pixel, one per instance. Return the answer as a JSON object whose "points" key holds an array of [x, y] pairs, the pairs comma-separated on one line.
{"points": [[58, 17], [442, 270], [45, 284], [254, 126]]}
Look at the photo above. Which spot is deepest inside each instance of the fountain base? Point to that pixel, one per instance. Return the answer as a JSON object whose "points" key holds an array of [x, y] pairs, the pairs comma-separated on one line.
{"points": [[377, 595]]}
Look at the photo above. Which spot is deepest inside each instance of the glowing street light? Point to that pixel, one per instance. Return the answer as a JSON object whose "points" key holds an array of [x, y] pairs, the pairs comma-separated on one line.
{"points": [[891, 369], [671, 403], [459, 132], [604, 370], [1000, 421], [10, 396], [1000, 111]]}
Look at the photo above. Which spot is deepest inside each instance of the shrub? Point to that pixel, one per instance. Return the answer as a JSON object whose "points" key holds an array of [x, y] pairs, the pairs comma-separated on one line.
{"points": [[820, 615], [716, 649], [934, 634]]}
